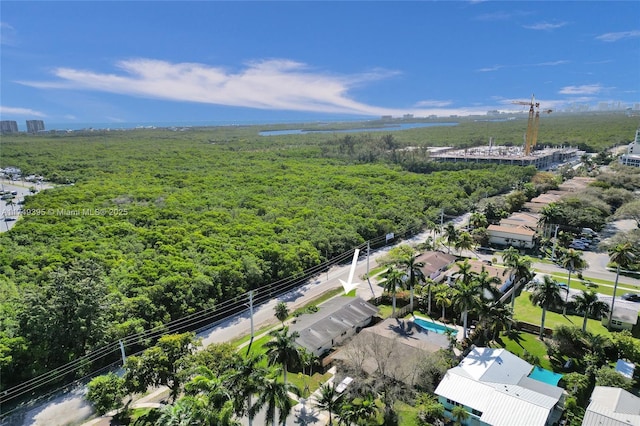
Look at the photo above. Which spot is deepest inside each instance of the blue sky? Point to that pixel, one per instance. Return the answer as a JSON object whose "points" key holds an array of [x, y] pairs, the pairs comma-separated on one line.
{"points": [[144, 61]]}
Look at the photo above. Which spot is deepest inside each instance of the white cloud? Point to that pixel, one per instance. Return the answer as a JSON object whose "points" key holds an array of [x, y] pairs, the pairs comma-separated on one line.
{"points": [[585, 89], [489, 69], [611, 37], [7, 34], [17, 111], [278, 84], [545, 26], [432, 104]]}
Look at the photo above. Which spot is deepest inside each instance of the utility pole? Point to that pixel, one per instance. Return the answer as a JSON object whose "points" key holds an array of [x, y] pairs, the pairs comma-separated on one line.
{"points": [[251, 311], [124, 357], [441, 218], [368, 277]]}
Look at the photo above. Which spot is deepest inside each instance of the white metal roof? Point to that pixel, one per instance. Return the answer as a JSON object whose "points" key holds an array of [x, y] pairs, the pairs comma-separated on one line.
{"points": [[495, 382]]}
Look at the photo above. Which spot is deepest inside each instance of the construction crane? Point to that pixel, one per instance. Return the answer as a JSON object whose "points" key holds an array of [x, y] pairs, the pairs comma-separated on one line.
{"points": [[531, 137]]}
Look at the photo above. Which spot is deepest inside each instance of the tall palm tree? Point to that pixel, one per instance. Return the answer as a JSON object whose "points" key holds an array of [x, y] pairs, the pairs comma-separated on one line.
{"points": [[394, 279], [478, 220], [359, 411], [413, 270], [520, 272], [329, 400], [545, 294], [275, 396], [281, 312], [494, 317], [428, 284], [572, 261], [510, 255], [464, 242], [487, 285], [443, 295], [282, 349], [451, 236], [210, 385], [623, 256], [466, 298], [245, 380], [589, 303], [464, 272]]}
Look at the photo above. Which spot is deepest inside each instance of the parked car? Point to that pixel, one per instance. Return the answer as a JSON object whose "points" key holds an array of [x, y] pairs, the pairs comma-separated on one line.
{"points": [[631, 297]]}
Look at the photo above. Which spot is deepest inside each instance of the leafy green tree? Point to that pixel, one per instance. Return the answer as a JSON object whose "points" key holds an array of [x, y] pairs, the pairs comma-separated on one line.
{"points": [[545, 295], [282, 349], [66, 317], [607, 376], [572, 261], [588, 303], [394, 279], [622, 255], [282, 312], [329, 400], [106, 393], [494, 318], [161, 365]]}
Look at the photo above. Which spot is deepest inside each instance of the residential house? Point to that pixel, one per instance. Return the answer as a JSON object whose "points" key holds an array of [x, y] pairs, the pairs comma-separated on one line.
{"points": [[494, 387], [478, 266], [435, 263], [612, 407], [515, 236], [336, 320]]}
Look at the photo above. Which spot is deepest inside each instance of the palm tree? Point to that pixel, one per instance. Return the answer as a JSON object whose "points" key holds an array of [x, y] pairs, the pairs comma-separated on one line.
{"points": [[246, 379], [359, 410], [307, 359], [394, 278], [275, 396], [465, 242], [428, 283], [210, 385], [459, 414], [465, 298], [282, 312], [478, 220], [589, 303], [520, 272], [282, 349], [329, 399], [623, 256], [487, 285], [494, 317], [510, 255], [572, 261], [443, 297], [451, 236], [464, 272], [414, 271], [546, 294]]}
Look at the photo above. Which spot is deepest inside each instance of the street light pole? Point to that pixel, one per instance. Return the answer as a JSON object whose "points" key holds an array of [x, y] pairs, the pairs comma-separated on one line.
{"points": [[555, 242], [251, 311]]}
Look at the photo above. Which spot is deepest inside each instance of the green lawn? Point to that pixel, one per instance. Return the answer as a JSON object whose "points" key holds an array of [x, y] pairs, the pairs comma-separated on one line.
{"points": [[525, 311], [314, 382], [526, 342]]}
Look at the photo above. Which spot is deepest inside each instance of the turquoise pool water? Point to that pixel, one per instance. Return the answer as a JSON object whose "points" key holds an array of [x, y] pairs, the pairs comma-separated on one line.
{"points": [[545, 376], [432, 326]]}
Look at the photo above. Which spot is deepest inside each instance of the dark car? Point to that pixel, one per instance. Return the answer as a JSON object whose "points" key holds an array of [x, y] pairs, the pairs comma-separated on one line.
{"points": [[631, 297]]}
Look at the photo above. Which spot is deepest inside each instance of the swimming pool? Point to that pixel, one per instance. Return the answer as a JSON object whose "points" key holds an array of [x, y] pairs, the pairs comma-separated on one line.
{"points": [[432, 326], [545, 376]]}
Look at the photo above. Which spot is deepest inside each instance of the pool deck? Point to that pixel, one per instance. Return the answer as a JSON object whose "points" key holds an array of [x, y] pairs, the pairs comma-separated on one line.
{"points": [[406, 332]]}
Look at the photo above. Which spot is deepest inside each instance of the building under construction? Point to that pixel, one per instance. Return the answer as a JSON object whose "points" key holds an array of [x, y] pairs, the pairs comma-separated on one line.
{"points": [[542, 159]]}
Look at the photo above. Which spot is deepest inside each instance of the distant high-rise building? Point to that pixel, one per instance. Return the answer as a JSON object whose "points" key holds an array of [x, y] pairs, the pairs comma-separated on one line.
{"points": [[35, 126], [8, 126]]}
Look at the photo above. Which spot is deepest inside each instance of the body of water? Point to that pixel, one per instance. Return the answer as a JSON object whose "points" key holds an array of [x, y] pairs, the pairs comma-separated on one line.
{"points": [[435, 327], [386, 128]]}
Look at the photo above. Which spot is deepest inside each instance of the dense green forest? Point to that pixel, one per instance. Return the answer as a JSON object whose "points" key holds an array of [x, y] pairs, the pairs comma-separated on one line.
{"points": [[147, 226]]}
